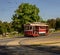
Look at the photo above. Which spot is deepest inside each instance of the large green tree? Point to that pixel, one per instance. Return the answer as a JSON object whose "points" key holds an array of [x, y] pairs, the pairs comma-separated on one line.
{"points": [[26, 13]]}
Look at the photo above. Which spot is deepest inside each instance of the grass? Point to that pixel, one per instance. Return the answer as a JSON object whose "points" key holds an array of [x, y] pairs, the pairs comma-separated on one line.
{"points": [[11, 35]]}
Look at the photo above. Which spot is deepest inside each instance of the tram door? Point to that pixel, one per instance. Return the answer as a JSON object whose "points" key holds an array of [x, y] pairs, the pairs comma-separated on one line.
{"points": [[35, 30]]}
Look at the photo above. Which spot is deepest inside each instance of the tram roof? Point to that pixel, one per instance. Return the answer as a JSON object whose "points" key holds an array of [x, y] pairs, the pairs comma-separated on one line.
{"points": [[36, 24]]}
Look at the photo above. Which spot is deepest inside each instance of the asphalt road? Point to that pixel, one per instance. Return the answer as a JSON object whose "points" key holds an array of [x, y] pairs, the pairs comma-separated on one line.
{"points": [[29, 49]]}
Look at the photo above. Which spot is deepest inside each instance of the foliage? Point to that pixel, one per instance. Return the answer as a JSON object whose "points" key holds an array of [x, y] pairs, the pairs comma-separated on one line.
{"points": [[26, 13], [51, 23], [5, 27], [1, 28], [57, 23], [54, 23]]}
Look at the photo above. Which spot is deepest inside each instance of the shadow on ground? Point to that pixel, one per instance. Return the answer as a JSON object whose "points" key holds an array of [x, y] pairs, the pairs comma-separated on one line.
{"points": [[51, 49], [29, 50]]}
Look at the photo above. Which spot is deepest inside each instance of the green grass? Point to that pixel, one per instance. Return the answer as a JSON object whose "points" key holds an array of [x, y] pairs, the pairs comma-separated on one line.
{"points": [[11, 35]]}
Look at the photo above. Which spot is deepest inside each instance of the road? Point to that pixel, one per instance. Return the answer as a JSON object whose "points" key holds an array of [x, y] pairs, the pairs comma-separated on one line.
{"points": [[22, 46], [28, 50], [4, 41]]}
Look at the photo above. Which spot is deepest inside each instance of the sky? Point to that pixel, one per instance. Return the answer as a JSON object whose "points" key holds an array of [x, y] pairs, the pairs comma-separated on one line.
{"points": [[48, 8]]}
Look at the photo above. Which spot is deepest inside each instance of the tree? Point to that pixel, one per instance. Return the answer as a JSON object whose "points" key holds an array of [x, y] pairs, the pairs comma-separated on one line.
{"points": [[7, 27], [57, 23], [1, 28], [54, 23], [51, 23], [26, 13]]}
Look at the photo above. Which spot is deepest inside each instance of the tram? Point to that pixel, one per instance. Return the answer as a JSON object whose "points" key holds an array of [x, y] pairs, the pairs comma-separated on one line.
{"points": [[35, 29]]}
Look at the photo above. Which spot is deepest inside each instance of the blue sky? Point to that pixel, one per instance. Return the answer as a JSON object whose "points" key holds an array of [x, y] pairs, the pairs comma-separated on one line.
{"points": [[48, 8]]}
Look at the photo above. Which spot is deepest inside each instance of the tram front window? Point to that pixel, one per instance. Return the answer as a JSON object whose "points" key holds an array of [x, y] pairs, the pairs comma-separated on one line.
{"points": [[28, 28]]}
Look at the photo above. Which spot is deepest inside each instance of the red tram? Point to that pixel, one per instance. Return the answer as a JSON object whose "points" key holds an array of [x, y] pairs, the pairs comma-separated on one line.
{"points": [[35, 29]]}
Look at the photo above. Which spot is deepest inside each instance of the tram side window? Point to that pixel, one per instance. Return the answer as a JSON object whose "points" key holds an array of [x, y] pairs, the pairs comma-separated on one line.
{"points": [[30, 28], [27, 28]]}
